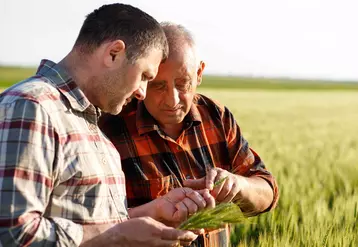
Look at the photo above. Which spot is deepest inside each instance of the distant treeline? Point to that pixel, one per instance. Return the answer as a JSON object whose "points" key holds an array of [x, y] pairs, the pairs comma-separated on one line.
{"points": [[11, 75], [275, 83]]}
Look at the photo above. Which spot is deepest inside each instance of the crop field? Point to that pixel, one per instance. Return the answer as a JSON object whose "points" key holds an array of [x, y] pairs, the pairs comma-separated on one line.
{"points": [[306, 132], [309, 141]]}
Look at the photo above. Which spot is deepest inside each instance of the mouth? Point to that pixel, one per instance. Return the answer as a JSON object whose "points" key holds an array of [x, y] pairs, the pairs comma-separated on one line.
{"points": [[172, 109], [128, 101]]}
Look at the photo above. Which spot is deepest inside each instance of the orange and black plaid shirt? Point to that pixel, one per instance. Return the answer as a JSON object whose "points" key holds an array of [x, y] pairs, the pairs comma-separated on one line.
{"points": [[154, 163]]}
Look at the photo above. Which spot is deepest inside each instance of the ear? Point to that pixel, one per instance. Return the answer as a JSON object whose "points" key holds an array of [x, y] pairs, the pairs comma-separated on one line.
{"points": [[200, 72], [114, 52]]}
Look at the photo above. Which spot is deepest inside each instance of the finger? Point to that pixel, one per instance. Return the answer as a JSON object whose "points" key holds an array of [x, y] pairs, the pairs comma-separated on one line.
{"points": [[164, 243], [182, 212], [196, 184], [177, 194], [199, 231], [233, 192], [225, 190], [169, 233], [167, 243], [190, 205], [209, 199], [211, 176], [185, 244], [217, 189], [177, 244], [197, 199]]}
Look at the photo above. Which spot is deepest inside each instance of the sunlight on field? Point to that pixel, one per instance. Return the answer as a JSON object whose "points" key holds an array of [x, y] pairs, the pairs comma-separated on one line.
{"points": [[11, 75], [309, 141]]}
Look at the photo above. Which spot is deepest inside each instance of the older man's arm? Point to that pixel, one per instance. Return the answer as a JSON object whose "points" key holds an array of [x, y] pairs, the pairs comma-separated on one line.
{"points": [[246, 180], [253, 194], [256, 197]]}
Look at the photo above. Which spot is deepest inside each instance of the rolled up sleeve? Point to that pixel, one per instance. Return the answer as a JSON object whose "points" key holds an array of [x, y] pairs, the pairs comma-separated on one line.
{"points": [[244, 160]]}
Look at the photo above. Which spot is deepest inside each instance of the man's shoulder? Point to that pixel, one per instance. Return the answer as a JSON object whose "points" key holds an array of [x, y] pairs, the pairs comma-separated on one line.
{"points": [[208, 105], [37, 89]]}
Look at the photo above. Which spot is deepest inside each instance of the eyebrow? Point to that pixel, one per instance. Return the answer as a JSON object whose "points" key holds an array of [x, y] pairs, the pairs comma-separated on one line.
{"points": [[161, 81], [149, 74], [186, 78]]}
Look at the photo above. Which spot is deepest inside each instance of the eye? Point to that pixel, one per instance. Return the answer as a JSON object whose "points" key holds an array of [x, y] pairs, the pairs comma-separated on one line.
{"points": [[145, 78], [156, 85], [184, 87]]}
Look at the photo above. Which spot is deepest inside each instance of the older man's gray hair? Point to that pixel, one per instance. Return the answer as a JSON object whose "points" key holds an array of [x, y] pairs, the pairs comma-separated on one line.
{"points": [[177, 35]]}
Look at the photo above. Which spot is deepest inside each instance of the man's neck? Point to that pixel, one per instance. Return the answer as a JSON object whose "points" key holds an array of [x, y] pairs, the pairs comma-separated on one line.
{"points": [[80, 71], [172, 130]]}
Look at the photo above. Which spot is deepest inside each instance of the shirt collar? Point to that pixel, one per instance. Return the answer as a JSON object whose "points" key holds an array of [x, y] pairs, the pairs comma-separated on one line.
{"points": [[146, 123], [65, 84], [193, 115]]}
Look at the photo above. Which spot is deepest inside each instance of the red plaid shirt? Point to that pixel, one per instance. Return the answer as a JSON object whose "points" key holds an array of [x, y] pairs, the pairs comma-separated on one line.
{"points": [[154, 163]]}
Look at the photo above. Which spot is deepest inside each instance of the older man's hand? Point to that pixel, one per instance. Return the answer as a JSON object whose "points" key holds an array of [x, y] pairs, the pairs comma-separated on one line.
{"points": [[226, 191], [175, 207]]}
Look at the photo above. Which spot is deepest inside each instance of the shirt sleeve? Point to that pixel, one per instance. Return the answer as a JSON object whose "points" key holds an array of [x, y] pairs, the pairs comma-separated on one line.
{"points": [[28, 144], [244, 160]]}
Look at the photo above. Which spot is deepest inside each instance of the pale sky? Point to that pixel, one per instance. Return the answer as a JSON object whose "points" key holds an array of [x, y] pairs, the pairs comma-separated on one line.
{"points": [[296, 38]]}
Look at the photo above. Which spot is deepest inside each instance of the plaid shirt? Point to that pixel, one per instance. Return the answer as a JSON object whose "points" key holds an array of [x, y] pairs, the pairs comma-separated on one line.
{"points": [[153, 163], [57, 169]]}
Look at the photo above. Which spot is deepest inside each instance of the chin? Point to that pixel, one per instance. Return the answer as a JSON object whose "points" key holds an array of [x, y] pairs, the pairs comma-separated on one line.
{"points": [[114, 111], [173, 120]]}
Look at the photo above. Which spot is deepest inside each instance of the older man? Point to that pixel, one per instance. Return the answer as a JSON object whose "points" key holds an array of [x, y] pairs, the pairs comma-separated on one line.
{"points": [[61, 182], [178, 138]]}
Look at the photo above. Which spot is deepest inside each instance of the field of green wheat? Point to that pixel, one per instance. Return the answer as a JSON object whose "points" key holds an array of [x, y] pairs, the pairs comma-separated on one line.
{"points": [[309, 141], [307, 135]]}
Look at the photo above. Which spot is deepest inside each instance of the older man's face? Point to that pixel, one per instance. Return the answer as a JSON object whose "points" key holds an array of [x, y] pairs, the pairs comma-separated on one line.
{"points": [[170, 94]]}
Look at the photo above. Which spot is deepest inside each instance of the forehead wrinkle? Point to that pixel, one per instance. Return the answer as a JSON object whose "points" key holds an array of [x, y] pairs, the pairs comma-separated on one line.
{"points": [[184, 58]]}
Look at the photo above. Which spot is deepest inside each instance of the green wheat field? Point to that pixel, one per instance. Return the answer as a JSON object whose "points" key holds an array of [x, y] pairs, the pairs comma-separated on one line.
{"points": [[307, 134]]}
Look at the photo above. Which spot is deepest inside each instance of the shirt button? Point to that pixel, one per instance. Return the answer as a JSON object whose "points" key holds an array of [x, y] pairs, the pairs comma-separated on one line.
{"points": [[92, 127], [207, 235], [188, 177], [104, 161], [178, 148]]}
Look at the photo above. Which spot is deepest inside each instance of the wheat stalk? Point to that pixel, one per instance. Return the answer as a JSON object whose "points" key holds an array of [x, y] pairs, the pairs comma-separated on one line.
{"points": [[213, 218]]}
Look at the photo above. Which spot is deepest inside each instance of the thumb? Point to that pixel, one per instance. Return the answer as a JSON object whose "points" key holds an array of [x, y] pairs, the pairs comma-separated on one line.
{"points": [[210, 178], [196, 184], [169, 233]]}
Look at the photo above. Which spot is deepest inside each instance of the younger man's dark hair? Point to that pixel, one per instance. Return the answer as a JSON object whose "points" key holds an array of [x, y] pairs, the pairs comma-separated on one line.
{"points": [[138, 30]]}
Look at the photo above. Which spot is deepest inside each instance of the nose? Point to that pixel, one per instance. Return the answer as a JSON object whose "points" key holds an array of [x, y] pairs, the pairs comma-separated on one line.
{"points": [[172, 98], [141, 92]]}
